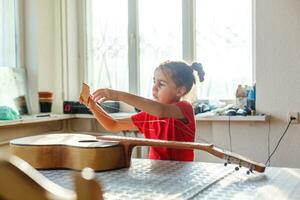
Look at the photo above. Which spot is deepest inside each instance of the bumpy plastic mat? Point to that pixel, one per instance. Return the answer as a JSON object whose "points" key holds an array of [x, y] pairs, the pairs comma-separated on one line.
{"points": [[148, 179]]}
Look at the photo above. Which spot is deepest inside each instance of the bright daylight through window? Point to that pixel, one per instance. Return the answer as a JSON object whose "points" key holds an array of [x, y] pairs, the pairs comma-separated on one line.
{"points": [[12, 76], [223, 43]]}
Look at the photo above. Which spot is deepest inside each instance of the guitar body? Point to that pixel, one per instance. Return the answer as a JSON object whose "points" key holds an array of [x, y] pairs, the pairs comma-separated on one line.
{"points": [[70, 151]]}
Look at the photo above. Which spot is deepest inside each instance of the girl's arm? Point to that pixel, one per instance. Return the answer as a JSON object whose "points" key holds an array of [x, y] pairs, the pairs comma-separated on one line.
{"points": [[147, 105], [107, 121], [152, 107]]}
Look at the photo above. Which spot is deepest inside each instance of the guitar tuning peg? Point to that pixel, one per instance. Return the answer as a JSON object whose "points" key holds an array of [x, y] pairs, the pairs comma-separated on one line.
{"points": [[240, 164], [236, 168], [250, 170], [225, 164]]}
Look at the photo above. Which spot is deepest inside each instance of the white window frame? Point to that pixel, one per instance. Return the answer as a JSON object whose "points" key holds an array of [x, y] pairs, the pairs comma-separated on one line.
{"points": [[19, 33]]}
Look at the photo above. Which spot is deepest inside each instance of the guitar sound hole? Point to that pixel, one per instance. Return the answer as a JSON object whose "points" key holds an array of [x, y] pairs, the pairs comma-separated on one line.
{"points": [[88, 141]]}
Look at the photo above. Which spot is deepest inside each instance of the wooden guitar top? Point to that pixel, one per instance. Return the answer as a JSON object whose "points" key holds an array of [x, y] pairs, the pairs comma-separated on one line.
{"points": [[71, 151], [64, 139]]}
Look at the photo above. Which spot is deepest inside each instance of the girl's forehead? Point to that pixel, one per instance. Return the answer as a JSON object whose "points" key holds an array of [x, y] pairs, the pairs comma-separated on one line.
{"points": [[162, 74]]}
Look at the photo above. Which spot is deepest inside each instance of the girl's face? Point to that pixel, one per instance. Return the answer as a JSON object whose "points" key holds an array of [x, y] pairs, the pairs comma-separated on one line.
{"points": [[164, 89]]}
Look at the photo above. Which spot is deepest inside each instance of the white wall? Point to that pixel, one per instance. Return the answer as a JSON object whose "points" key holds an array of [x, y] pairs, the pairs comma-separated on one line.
{"points": [[278, 72], [39, 47], [247, 138], [51, 55], [277, 77]]}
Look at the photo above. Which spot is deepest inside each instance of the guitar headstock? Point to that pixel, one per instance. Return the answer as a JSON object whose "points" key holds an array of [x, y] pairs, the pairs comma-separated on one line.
{"points": [[85, 93], [243, 162]]}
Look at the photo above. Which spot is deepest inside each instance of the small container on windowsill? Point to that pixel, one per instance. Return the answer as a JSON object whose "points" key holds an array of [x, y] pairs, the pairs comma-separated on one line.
{"points": [[45, 101], [21, 105], [45, 107]]}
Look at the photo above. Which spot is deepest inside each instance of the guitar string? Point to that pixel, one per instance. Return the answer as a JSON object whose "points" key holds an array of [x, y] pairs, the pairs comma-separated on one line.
{"points": [[189, 131]]}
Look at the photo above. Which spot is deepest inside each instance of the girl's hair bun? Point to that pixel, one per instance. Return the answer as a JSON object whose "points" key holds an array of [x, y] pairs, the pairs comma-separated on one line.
{"points": [[199, 68]]}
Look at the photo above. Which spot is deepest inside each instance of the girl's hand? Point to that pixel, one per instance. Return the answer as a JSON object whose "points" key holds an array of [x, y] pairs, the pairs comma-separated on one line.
{"points": [[102, 95]]}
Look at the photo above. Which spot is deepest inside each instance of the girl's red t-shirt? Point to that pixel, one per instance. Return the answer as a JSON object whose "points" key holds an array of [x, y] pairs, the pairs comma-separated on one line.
{"points": [[168, 128]]}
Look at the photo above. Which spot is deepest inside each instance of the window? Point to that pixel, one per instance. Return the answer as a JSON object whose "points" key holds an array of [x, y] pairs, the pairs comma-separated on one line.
{"points": [[224, 46], [12, 76], [107, 44], [7, 34], [160, 37], [158, 32]]}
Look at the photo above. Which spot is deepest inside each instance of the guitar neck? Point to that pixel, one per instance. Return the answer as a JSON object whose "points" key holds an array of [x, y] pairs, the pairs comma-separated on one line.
{"points": [[210, 148]]}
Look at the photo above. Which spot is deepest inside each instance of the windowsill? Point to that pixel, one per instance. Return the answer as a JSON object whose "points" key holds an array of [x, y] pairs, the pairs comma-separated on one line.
{"points": [[254, 118], [257, 118], [28, 119], [58, 117]]}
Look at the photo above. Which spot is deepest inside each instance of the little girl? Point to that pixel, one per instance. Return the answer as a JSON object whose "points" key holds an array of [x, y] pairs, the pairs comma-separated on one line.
{"points": [[166, 117]]}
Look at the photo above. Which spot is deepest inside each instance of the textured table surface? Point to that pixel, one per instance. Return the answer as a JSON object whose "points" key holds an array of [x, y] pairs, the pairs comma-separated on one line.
{"points": [[148, 179]]}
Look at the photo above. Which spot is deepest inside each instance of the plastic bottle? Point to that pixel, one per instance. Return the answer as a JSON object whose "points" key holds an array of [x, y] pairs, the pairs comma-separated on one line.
{"points": [[251, 98]]}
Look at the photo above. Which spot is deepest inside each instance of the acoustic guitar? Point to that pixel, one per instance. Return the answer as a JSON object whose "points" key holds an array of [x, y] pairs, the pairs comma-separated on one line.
{"points": [[77, 151]]}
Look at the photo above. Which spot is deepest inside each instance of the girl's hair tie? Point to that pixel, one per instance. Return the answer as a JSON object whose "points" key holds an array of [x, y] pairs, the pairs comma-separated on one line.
{"points": [[199, 68]]}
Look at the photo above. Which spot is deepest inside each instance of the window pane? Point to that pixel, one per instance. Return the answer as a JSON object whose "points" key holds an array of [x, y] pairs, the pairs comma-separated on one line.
{"points": [[7, 34], [224, 46], [12, 78], [12, 85], [160, 25], [107, 44]]}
